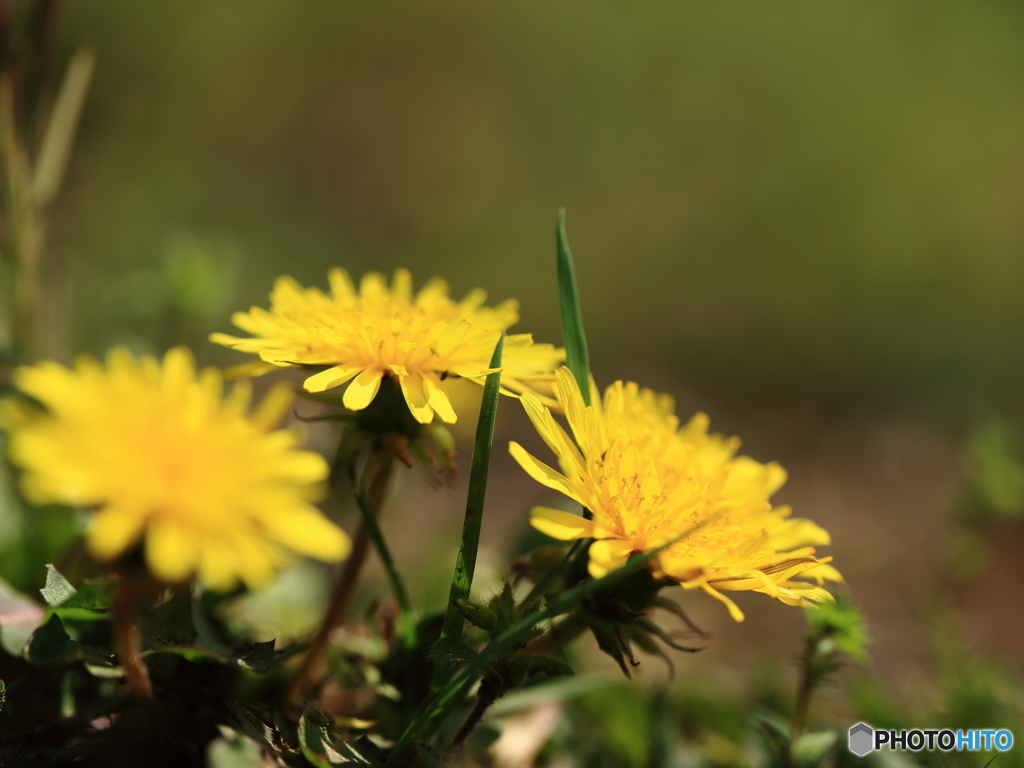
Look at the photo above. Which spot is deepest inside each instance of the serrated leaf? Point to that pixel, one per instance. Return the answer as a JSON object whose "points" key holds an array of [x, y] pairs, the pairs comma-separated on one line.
{"points": [[252, 725], [260, 658], [324, 749], [92, 596], [504, 606], [443, 701], [57, 589], [170, 625], [478, 616], [51, 646]]}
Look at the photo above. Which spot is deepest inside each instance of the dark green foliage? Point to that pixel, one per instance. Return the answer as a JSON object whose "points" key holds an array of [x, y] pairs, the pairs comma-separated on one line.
{"points": [[324, 747], [51, 646], [260, 658], [69, 680]]}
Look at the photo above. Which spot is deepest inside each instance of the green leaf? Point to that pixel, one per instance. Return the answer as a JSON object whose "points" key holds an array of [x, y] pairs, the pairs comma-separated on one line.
{"points": [[842, 624], [57, 589], [442, 702], [95, 595], [775, 732], [260, 658], [19, 618], [810, 747], [560, 689], [324, 749], [252, 725], [60, 129], [576, 354], [51, 646], [233, 750], [478, 616], [482, 737], [504, 606], [452, 650], [465, 563], [170, 624]]}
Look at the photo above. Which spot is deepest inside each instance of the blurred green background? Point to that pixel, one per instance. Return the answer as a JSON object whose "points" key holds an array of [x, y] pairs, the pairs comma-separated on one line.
{"points": [[806, 218], [812, 204]]}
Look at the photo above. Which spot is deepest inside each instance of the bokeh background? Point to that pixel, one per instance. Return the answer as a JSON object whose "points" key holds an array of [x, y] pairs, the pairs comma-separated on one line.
{"points": [[803, 218]]}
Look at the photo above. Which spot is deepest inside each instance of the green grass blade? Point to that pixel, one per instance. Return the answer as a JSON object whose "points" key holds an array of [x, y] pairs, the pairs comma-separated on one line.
{"points": [[575, 340], [441, 701], [465, 565], [406, 620]]}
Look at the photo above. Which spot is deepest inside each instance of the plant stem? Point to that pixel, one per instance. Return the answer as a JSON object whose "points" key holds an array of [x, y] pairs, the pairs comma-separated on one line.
{"points": [[489, 693], [377, 475], [405, 619], [25, 229], [126, 637], [803, 704], [809, 680]]}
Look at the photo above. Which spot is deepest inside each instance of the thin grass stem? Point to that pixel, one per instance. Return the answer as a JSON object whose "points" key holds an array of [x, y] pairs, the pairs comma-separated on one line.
{"points": [[465, 563], [576, 354]]}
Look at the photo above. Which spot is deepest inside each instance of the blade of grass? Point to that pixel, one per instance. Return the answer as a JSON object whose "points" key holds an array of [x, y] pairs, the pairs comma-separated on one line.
{"points": [[441, 701], [406, 621], [60, 130], [575, 340], [465, 564]]}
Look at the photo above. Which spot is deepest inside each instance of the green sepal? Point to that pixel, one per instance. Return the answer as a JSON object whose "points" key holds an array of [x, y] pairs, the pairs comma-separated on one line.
{"points": [[531, 669]]}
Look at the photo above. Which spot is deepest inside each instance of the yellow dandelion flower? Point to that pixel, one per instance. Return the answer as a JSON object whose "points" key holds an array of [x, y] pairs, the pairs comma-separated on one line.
{"points": [[169, 463], [646, 481], [379, 331]]}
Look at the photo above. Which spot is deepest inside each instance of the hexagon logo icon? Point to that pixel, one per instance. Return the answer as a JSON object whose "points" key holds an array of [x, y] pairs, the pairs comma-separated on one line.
{"points": [[862, 739]]}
